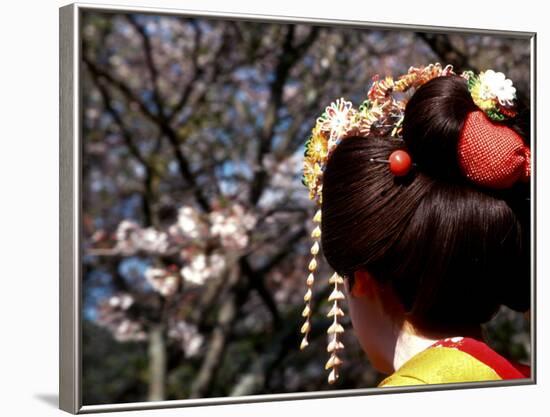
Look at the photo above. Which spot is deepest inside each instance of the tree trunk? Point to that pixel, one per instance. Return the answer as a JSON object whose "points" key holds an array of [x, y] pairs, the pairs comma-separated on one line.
{"points": [[217, 343], [157, 363]]}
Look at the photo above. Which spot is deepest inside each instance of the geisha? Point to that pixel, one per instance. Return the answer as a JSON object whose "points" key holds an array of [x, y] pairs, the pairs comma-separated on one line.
{"points": [[425, 219]]}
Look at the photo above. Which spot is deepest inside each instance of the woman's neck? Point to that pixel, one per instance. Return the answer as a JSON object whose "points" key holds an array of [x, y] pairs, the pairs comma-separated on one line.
{"points": [[409, 343], [407, 346]]}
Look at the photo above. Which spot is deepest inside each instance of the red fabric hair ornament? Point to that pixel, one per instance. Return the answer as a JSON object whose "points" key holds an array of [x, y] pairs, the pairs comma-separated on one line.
{"points": [[492, 155]]}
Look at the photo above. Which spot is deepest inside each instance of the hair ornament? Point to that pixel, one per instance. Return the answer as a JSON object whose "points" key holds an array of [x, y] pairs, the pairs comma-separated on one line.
{"points": [[492, 155], [493, 93], [399, 161], [380, 114]]}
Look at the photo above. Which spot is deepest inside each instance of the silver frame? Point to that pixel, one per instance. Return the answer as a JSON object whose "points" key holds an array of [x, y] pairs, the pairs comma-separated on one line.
{"points": [[70, 203]]}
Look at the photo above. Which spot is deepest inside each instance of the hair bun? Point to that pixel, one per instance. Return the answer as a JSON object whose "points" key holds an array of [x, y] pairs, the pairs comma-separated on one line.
{"points": [[451, 139], [434, 117]]}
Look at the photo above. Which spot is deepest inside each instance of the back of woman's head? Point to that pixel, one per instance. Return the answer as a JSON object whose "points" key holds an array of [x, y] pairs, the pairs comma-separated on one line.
{"points": [[451, 251]]}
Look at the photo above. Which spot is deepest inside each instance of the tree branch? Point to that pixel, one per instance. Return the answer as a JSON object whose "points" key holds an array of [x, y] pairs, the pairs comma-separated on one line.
{"points": [[227, 314], [153, 72], [448, 53], [162, 125], [130, 96], [287, 59], [197, 72], [150, 170], [258, 374]]}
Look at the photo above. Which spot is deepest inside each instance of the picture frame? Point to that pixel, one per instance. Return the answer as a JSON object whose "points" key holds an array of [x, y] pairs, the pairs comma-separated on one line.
{"points": [[71, 203]]}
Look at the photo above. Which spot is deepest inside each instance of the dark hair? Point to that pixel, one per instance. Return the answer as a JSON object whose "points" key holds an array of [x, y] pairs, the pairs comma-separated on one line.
{"points": [[452, 252]]}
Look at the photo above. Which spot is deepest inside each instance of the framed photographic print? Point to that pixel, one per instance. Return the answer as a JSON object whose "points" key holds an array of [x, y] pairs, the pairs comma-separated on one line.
{"points": [[261, 208]]}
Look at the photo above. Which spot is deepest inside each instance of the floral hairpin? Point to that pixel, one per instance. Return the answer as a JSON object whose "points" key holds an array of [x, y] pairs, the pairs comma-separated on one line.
{"points": [[493, 93]]}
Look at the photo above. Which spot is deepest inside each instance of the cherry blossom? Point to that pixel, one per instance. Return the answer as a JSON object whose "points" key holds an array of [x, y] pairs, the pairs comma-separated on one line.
{"points": [[163, 281], [112, 315], [202, 267], [191, 340]]}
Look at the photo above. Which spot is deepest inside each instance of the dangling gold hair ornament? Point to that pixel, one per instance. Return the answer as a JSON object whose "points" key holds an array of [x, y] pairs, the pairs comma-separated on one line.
{"points": [[379, 115]]}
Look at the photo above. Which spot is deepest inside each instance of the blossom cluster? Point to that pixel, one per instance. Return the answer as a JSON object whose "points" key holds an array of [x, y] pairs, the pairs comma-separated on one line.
{"points": [[112, 314], [192, 237], [188, 335], [132, 238]]}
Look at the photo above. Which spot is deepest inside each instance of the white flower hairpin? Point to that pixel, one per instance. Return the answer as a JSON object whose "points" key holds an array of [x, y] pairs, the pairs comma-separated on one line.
{"points": [[493, 93]]}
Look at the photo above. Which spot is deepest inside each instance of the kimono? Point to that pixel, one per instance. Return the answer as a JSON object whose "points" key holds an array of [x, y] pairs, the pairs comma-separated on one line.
{"points": [[457, 359]]}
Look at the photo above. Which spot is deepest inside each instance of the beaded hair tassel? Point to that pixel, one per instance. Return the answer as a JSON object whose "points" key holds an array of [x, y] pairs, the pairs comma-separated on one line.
{"points": [[336, 295], [315, 234], [335, 328]]}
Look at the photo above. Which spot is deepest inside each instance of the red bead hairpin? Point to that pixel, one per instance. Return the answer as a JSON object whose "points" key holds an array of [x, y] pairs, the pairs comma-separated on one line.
{"points": [[400, 162]]}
